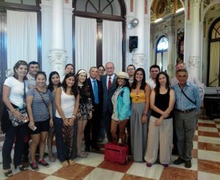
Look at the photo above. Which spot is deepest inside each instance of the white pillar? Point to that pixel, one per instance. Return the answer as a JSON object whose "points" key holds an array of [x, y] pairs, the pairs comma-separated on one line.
{"points": [[140, 28], [194, 62], [171, 49], [57, 53], [139, 57]]}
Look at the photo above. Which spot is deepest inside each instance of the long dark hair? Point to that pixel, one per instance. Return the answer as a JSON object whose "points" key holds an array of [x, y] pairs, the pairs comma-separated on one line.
{"points": [[143, 82], [85, 83], [74, 89], [17, 65], [125, 85], [50, 85], [157, 87]]}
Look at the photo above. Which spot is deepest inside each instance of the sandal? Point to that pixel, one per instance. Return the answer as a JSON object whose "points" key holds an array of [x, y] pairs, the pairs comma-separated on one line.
{"points": [[86, 153], [52, 158], [65, 164], [8, 173], [71, 162], [82, 155]]}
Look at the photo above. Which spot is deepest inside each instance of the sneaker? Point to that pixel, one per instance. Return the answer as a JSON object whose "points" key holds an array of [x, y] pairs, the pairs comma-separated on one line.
{"points": [[34, 166], [65, 164], [43, 163]]}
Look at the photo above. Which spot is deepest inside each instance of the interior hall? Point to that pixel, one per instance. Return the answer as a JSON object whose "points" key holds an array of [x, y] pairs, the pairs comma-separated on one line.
{"points": [[88, 33]]}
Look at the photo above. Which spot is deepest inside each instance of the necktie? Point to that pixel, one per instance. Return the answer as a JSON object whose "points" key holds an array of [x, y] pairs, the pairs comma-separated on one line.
{"points": [[109, 82], [95, 89]]}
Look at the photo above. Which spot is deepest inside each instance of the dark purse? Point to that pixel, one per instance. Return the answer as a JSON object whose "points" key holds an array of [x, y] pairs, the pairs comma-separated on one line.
{"points": [[16, 122]]}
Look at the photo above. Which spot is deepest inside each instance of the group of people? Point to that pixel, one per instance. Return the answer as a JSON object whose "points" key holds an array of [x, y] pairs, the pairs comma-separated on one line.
{"points": [[123, 106]]}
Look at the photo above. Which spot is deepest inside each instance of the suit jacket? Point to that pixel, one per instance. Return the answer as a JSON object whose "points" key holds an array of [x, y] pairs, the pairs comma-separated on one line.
{"points": [[99, 92], [107, 93]]}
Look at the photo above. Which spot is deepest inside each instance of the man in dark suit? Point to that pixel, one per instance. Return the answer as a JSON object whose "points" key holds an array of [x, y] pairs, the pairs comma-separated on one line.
{"points": [[109, 87], [95, 89]]}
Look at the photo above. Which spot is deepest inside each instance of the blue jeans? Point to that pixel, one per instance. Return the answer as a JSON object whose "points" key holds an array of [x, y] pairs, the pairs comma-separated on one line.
{"points": [[19, 133], [64, 140]]}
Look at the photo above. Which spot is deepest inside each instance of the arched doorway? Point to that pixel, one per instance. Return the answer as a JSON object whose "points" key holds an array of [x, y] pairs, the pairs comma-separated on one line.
{"points": [[162, 53], [213, 77], [167, 20]]}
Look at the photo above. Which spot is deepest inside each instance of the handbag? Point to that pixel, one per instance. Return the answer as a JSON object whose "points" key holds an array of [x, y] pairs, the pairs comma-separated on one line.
{"points": [[16, 122], [116, 153]]}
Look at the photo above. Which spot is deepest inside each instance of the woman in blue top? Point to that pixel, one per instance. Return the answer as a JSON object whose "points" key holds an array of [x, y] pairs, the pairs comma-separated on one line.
{"points": [[121, 107]]}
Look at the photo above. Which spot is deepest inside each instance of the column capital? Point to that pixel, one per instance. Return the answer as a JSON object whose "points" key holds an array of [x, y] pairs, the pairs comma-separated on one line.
{"points": [[68, 10], [170, 69], [195, 2], [58, 59], [45, 7], [194, 62], [139, 60]]}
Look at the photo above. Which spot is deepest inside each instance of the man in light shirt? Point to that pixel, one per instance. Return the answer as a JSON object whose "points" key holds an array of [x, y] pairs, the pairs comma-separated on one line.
{"points": [[154, 70], [191, 79], [33, 68], [187, 104], [130, 71], [69, 68]]}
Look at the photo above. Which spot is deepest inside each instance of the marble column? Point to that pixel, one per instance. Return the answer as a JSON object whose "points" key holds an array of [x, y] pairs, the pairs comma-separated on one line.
{"points": [[194, 61], [57, 54], [139, 57], [171, 49]]}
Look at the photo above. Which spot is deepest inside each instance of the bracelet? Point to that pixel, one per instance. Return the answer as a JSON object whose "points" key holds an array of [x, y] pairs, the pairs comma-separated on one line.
{"points": [[74, 116]]}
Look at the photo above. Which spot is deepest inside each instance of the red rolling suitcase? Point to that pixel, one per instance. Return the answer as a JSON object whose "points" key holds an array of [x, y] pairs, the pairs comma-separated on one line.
{"points": [[116, 153]]}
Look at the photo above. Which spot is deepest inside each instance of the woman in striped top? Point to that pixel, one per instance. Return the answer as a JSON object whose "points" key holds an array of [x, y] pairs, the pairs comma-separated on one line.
{"points": [[39, 108]]}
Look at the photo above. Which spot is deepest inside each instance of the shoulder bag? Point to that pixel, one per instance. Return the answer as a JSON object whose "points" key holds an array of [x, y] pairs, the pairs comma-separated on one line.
{"points": [[16, 122]]}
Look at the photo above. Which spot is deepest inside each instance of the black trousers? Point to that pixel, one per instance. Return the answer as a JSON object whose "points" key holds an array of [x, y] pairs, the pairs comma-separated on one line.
{"points": [[92, 127]]}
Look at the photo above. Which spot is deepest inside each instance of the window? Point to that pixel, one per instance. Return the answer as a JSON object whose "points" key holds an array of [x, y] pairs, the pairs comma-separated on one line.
{"points": [[24, 2], [214, 54], [99, 7], [161, 53]]}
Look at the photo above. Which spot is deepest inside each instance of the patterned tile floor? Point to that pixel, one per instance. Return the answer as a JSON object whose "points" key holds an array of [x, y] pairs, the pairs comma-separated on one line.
{"points": [[205, 164]]}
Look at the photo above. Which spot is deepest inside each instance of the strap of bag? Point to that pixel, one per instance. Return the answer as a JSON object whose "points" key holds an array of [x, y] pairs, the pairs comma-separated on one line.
{"points": [[186, 96], [42, 98], [24, 96]]}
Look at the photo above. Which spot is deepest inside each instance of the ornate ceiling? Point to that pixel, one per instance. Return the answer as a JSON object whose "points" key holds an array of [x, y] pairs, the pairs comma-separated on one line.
{"points": [[161, 8]]}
